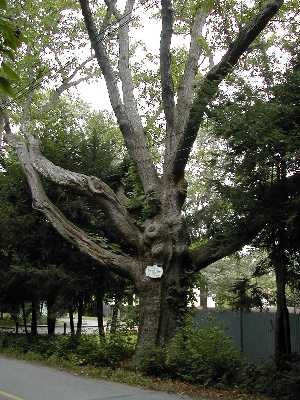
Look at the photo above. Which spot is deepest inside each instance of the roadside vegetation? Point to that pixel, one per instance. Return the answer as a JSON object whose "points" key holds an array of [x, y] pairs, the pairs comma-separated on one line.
{"points": [[110, 359], [202, 363]]}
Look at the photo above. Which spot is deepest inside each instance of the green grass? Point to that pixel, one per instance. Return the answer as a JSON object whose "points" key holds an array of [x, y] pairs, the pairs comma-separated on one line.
{"points": [[128, 376]]}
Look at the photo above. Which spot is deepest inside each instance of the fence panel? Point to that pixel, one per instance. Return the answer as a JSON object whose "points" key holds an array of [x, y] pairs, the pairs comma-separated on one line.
{"points": [[257, 329]]}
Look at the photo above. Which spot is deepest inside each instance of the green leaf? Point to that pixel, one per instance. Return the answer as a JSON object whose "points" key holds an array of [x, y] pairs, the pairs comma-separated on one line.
{"points": [[3, 4], [205, 5], [203, 44], [208, 5], [8, 72], [7, 52], [5, 86], [7, 29]]}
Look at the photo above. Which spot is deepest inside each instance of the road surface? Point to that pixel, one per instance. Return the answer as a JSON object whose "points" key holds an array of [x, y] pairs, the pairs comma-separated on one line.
{"points": [[24, 381]]}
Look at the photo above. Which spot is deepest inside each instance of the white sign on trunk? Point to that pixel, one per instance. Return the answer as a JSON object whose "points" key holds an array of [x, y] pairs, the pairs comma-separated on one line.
{"points": [[154, 271]]}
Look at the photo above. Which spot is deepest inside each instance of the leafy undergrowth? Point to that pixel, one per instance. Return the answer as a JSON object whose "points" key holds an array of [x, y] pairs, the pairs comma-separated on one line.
{"points": [[123, 374]]}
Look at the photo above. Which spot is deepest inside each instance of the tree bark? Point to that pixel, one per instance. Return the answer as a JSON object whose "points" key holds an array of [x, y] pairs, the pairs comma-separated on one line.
{"points": [[115, 314], [282, 325], [34, 317], [280, 262], [99, 311], [24, 318], [162, 306], [80, 315], [203, 297], [51, 317], [71, 317]]}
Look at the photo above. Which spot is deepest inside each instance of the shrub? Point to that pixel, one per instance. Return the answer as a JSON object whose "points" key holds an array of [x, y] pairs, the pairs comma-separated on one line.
{"points": [[153, 362], [84, 350], [281, 384], [202, 355], [119, 347]]}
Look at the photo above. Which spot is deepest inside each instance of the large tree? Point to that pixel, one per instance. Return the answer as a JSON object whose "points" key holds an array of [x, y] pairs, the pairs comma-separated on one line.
{"points": [[172, 111]]}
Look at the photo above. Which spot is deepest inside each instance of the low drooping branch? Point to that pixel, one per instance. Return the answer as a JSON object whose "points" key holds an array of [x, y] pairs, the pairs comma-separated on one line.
{"points": [[90, 185], [213, 78], [119, 263], [135, 141], [168, 101]]}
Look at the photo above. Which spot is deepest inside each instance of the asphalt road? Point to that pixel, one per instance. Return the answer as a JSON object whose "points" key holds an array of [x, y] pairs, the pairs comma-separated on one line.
{"points": [[25, 381]]}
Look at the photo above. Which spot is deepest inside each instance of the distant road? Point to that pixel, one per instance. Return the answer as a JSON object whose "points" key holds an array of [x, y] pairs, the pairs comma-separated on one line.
{"points": [[24, 381]]}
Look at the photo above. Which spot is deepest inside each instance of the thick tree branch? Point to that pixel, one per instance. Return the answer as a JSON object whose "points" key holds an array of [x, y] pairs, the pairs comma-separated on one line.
{"points": [[124, 70], [167, 16], [233, 238], [89, 185], [124, 67], [119, 263], [135, 142], [213, 78], [228, 242], [186, 86]]}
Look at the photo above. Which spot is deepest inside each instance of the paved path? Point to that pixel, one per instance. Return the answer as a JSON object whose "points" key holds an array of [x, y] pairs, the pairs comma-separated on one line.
{"points": [[24, 381]]}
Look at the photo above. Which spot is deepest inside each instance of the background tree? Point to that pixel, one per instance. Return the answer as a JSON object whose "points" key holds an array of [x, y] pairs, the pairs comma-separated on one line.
{"points": [[262, 142], [10, 40], [37, 265]]}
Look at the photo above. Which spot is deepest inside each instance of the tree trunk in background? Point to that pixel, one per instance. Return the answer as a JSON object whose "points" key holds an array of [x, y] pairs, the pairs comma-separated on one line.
{"points": [[34, 317], [99, 311], [115, 314], [130, 300], [203, 297], [282, 326], [71, 317], [24, 318], [80, 315], [280, 262], [51, 317]]}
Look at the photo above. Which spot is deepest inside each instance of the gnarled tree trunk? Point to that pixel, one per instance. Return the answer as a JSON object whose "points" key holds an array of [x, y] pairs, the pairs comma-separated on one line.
{"points": [[162, 306]]}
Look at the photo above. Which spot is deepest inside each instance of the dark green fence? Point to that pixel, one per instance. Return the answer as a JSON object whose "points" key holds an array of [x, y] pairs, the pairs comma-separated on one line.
{"points": [[252, 332]]}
